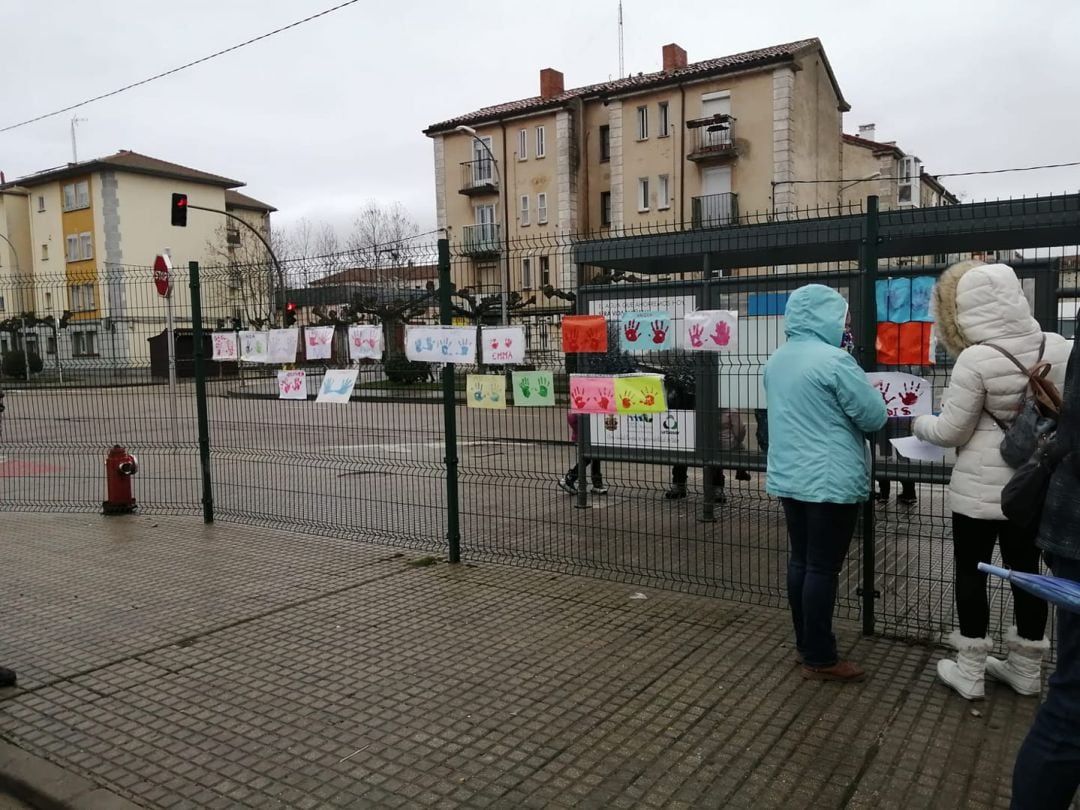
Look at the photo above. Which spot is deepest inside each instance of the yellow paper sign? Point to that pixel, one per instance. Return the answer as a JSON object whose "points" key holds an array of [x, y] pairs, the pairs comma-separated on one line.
{"points": [[485, 391], [640, 394]]}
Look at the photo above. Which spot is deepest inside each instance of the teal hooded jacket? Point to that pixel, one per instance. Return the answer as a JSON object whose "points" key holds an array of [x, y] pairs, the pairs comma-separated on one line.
{"points": [[820, 406]]}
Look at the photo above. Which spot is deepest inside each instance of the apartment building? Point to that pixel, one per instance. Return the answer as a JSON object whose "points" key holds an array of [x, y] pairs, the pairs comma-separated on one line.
{"points": [[89, 230], [883, 168], [697, 144]]}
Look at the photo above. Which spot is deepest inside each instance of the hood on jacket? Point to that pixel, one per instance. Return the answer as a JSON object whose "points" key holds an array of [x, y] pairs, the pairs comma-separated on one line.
{"points": [[816, 312], [975, 302]]}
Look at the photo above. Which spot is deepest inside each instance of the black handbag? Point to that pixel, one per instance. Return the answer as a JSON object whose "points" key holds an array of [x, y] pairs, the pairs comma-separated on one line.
{"points": [[1024, 497]]}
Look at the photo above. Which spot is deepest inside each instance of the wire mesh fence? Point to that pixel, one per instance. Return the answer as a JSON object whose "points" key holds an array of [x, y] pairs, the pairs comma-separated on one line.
{"points": [[672, 499]]}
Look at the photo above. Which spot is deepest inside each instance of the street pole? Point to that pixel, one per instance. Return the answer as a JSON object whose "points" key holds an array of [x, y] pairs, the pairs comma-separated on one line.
{"points": [[869, 273], [453, 524]]}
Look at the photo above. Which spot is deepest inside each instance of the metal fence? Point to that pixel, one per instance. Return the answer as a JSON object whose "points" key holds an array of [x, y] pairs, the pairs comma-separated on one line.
{"points": [[406, 462]]}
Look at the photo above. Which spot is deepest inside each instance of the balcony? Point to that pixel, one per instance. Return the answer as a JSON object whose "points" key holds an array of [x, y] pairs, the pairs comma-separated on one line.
{"points": [[478, 177], [714, 210], [712, 139], [480, 241]]}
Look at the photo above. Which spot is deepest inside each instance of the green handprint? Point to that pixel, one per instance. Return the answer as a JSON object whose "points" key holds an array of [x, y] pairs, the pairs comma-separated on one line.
{"points": [[526, 389], [543, 388]]}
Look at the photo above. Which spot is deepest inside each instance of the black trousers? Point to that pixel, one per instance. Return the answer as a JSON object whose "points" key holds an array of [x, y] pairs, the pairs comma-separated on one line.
{"points": [[973, 543], [594, 466]]}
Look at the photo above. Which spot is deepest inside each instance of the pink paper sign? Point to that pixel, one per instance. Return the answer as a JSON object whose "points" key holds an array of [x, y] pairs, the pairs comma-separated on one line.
{"points": [[711, 330], [592, 394]]}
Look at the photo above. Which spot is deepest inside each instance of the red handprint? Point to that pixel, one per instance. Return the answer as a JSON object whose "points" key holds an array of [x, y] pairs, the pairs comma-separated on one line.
{"points": [[909, 395], [508, 342], [579, 398], [494, 344], [721, 335], [650, 400], [884, 389], [659, 331], [627, 403], [631, 331], [696, 331], [604, 402]]}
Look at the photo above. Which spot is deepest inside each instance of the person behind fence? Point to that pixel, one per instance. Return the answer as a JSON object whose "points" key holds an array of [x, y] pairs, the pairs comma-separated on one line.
{"points": [[1047, 771], [820, 409], [568, 482], [981, 314]]}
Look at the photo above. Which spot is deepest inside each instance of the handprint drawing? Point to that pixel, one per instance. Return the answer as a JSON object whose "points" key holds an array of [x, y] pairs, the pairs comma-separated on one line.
{"points": [[909, 394], [478, 395], [444, 346], [696, 331], [508, 342], [543, 387], [659, 331], [577, 396], [631, 331], [429, 344], [884, 388], [626, 401], [464, 347], [721, 335], [526, 388]]}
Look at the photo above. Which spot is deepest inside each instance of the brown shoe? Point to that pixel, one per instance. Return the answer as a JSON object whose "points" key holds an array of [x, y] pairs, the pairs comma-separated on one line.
{"points": [[840, 671]]}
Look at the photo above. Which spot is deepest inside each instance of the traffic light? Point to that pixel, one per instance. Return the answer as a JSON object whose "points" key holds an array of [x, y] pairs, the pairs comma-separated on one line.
{"points": [[290, 314], [179, 210]]}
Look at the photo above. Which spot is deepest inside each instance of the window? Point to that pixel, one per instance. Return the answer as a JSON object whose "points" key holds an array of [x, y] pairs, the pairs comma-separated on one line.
{"points": [[541, 208], [44, 253], [40, 204], [69, 196], [663, 192], [605, 143], [84, 344], [605, 209], [82, 297], [642, 123], [643, 193], [50, 345], [541, 142], [76, 195], [524, 209], [48, 302], [663, 128], [72, 253], [523, 144], [86, 246], [526, 274], [3, 306], [545, 271]]}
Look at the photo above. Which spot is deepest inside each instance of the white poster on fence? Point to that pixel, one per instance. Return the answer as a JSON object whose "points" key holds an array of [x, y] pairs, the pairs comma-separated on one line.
{"points": [[337, 386], [677, 306], [292, 384], [441, 344], [711, 330], [365, 343], [503, 344], [224, 346], [254, 347], [742, 371], [283, 345], [905, 395], [318, 342], [673, 430]]}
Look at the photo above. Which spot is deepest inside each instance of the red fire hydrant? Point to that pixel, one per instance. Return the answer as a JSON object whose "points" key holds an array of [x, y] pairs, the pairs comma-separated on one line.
{"points": [[120, 466]]}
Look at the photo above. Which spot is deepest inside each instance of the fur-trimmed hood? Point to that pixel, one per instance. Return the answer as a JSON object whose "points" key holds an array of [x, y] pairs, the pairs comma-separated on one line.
{"points": [[975, 302]]}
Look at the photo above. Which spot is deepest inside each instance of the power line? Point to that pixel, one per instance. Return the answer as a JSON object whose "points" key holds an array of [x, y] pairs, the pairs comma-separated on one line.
{"points": [[928, 174], [178, 69]]}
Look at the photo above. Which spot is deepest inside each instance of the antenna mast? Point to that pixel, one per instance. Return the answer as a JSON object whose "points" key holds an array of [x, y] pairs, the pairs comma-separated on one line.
{"points": [[622, 66], [74, 146]]}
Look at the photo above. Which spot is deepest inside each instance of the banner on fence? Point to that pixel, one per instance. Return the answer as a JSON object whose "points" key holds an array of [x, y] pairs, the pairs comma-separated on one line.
{"points": [[584, 333], [318, 342], [645, 331], [590, 394], [505, 344], [254, 347], [711, 330], [640, 393], [673, 431], [292, 384], [224, 346], [533, 389], [337, 386], [905, 395], [365, 343], [485, 391], [441, 344], [283, 344]]}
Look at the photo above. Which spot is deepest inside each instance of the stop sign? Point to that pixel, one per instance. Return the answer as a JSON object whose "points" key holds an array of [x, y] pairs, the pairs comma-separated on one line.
{"points": [[162, 275]]}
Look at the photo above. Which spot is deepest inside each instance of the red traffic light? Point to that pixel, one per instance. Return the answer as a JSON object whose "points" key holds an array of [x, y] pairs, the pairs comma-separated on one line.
{"points": [[291, 307], [179, 210]]}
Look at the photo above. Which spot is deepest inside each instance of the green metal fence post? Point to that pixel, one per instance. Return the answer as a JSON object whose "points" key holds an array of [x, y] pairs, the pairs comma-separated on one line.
{"points": [[453, 508], [869, 363], [200, 392]]}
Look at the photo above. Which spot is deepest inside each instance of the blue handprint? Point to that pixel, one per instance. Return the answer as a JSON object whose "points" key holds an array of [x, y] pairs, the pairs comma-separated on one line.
{"points": [[463, 347], [478, 395], [429, 344], [495, 396], [444, 346]]}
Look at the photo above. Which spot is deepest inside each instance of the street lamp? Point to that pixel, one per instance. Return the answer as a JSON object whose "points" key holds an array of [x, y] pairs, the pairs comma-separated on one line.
{"points": [[503, 261], [840, 191]]}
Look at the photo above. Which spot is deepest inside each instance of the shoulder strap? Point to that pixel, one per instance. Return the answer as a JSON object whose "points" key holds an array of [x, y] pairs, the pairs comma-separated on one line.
{"points": [[1012, 357]]}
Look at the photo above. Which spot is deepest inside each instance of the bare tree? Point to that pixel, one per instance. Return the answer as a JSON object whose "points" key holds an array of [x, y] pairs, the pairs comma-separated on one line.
{"points": [[379, 236], [329, 256]]}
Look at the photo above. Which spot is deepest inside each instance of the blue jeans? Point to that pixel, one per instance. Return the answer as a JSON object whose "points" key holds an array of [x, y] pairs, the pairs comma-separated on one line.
{"points": [[819, 535], [1047, 771]]}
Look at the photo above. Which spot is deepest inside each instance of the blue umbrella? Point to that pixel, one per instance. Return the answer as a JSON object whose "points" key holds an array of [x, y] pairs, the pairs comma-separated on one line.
{"points": [[1065, 593]]}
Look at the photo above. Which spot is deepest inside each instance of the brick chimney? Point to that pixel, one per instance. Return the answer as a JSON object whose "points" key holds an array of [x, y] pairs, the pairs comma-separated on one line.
{"points": [[551, 83], [674, 58]]}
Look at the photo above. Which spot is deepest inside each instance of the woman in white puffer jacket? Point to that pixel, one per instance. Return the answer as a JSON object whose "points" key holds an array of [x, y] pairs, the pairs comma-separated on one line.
{"points": [[975, 304]]}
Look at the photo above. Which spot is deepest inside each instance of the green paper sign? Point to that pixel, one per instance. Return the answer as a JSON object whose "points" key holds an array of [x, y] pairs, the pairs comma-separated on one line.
{"points": [[533, 389]]}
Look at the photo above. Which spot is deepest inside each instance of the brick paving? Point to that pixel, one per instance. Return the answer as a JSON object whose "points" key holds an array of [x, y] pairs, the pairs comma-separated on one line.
{"points": [[186, 666]]}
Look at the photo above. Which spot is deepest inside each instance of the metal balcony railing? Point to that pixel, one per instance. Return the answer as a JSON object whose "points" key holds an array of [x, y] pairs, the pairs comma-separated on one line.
{"points": [[711, 138], [481, 240], [714, 210], [479, 177]]}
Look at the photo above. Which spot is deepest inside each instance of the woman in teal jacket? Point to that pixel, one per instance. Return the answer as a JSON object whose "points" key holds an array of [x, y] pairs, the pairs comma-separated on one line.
{"points": [[820, 409]]}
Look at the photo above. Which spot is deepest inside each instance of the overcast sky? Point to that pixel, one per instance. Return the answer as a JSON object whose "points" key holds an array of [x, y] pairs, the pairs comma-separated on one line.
{"points": [[319, 119]]}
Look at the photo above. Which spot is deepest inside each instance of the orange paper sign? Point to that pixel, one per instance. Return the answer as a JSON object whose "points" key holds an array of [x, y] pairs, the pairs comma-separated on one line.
{"points": [[584, 333]]}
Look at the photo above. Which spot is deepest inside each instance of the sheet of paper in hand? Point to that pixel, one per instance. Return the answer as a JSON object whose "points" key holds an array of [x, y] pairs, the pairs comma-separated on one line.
{"points": [[441, 344], [711, 330], [590, 394], [533, 389], [503, 344], [584, 333], [224, 346], [283, 344], [485, 391], [318, 342], [292, 384], [640, 393], [253, 347], [365, 342], [645, 331], [916, 449], [337, 386], [905, 395]]}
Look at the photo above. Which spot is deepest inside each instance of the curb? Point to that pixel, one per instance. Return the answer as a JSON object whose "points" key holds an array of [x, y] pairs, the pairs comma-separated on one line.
{"points": [[47, 786]]}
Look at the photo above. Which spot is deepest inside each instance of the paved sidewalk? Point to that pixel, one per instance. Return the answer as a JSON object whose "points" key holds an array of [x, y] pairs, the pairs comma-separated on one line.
{"points": [[227, 666]]}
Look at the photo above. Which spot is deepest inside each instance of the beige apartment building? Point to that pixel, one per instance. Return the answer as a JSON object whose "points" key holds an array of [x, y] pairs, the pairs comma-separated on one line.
{"points": [[698, 145], [884, 169], [86, 232]]}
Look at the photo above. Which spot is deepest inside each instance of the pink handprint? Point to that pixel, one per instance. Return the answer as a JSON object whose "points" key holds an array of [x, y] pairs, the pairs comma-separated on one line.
{"points": [[631, 331], [659, 331], [721, 335], [909, 395], [508, 342], [494, 344], [696, 331]]}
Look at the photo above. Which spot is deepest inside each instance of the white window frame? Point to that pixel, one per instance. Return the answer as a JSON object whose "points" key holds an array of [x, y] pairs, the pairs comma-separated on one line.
{"points": [[541, 208], [86, 245], [82, 194], [545, 270], [541, 142], [663, 123], [663, 192], [526, 273], [643, 122], [44, 252], [40, 204], [523, 144], [524, 210], [67, 197], [643, 194], [71, 247]]}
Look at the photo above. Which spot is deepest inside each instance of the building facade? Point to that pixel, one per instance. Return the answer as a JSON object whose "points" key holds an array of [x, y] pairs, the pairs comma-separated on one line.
{"points": [[896, 177]]}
